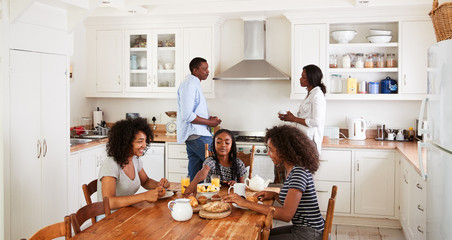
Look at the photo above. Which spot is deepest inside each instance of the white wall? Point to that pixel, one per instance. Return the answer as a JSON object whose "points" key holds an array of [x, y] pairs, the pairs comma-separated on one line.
{"points": [[253, 105]]}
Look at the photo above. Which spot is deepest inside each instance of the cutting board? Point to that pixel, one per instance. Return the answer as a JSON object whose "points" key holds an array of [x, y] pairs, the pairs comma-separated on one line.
{"points": [[208, 215]]}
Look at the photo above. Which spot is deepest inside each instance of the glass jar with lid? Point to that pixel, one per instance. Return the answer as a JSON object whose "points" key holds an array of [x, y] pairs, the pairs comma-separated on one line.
{"points": [[336, 83], [359, 63], [391, 60], [346, 61], [369, 61], [333, 61], [380, 60]]}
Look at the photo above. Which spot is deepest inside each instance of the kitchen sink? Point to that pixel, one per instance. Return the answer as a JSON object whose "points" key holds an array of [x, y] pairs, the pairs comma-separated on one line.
{"points": [[76, 141]]}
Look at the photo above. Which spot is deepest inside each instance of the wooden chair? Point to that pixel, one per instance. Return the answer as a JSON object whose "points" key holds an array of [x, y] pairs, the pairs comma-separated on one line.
{"points": [[208, 152], [247, 159], [329, 214], [88, 190], [268, 224], [89, 211], [61, 229]]}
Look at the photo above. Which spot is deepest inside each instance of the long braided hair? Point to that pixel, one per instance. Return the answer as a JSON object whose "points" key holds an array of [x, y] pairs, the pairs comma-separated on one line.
{"points": [[232, 156]]}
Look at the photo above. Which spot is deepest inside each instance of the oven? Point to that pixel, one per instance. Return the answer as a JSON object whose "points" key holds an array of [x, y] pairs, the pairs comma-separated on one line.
{"points": [[262, 164]]}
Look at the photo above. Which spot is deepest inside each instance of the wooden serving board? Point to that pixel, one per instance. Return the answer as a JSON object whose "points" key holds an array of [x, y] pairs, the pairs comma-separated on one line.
{"points": [[208, 215]]}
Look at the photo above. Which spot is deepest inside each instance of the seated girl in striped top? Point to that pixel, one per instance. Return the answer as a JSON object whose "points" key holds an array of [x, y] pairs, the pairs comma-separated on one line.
{"points": [[289, 146]]}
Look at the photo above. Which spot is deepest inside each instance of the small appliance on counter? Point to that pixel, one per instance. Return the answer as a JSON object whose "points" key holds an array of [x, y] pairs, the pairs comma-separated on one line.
{"points": [[171, 126], [356, 128], [132, 115]]}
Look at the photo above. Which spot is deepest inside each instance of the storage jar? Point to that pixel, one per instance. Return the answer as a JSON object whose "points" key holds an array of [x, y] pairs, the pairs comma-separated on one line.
{"points": [[346, 61], [369, 63], [374, 87], [379, 60], [333, 61], [336, 83], [359, 60], [391, 60], [351, 85]]}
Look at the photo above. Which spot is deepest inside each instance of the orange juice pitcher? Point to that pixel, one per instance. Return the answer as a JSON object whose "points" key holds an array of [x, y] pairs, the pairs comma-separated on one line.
{"points": [[184, 182]]}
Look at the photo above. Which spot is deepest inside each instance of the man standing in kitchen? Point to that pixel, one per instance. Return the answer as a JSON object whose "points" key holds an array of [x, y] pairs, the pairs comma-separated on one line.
{"points": [[193, 120]]}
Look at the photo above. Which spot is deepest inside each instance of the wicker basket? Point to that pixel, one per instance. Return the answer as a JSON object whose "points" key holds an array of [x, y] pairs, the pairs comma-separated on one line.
{"points": [[442, 20]]}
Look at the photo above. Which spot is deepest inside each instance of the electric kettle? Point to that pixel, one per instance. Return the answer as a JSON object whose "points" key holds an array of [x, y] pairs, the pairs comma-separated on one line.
{"points": [[356, 128]]}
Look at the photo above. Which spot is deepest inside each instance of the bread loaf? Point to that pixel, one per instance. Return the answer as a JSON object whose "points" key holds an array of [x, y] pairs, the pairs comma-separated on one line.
{"points": [[193, 201], [252, 199]]}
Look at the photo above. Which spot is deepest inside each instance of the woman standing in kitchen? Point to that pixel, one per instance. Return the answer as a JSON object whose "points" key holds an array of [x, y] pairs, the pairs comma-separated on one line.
{"points": [[223, 163], [311, 113], [290, 147], [122, 173]]}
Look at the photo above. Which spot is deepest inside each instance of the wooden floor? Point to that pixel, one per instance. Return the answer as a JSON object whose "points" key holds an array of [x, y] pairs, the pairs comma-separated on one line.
{"points": [[345, 232]]}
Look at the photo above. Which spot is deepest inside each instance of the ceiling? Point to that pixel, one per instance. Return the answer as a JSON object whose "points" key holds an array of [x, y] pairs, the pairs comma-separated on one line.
{"points": [[233, 8]]}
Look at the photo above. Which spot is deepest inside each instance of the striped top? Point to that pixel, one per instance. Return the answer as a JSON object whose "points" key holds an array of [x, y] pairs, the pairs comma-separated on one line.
{"points": [[308, 212]]}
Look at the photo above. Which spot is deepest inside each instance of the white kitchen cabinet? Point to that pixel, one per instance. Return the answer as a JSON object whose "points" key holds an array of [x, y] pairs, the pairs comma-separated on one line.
{"points": [[167, 60], [39, 97], [413, 195], [108, 67], [198, 42], [83, 167], [154, 162], [415, 38], [335, 169], [138, 64], [309, 47], [374, 183], [404, 195], [176, 161]]}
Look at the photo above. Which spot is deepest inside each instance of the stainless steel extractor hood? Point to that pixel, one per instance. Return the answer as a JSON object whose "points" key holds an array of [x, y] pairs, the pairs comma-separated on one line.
{"points": [[254, 66]]}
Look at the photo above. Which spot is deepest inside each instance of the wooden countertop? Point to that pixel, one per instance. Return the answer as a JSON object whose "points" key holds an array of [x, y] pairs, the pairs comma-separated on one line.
{"points": [[407, 149]]}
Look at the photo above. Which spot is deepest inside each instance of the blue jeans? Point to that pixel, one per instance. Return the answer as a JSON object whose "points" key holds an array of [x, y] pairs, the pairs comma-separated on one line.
{"points": [[196, 154]]}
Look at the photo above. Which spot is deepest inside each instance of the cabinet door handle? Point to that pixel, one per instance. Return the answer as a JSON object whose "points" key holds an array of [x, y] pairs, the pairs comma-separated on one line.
{"points": [[44, 146], [119, 79], [38, 148], [404, 79], [419, 186], [419, 229], [322, 160], [321, 191], [357, 166], [420, 207], [149, 80], [404, 178]]}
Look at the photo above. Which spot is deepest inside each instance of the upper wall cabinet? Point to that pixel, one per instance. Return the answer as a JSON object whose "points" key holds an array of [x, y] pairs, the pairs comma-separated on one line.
{"points": [[150, 62], [403, 57]]}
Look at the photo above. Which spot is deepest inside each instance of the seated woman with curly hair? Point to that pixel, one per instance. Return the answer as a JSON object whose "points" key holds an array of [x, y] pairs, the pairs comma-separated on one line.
{"points": [[289, 146], [122, 173]]}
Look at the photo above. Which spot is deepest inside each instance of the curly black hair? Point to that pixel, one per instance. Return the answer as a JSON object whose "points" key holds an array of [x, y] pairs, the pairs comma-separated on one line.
{"points": [[293, 146], [122, 135], [232, 156]]}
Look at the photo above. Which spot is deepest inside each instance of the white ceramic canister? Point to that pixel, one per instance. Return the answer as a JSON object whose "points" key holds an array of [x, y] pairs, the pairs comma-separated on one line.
{"points": [[346, 61], [181, 210]]}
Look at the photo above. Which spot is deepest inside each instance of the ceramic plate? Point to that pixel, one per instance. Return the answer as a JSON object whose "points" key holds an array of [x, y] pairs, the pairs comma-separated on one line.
{"points": [[167, 194]]}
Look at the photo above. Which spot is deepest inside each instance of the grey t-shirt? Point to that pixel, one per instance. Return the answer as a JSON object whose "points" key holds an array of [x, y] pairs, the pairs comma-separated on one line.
{"points": [[124, 185]]}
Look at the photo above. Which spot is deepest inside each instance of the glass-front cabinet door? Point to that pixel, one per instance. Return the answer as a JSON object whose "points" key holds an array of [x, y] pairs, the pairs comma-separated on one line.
{"points": [[167, 60], [138, 64]]}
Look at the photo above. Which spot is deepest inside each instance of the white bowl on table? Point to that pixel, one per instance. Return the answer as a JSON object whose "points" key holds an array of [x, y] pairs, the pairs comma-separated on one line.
{"points": [[379, 39], [207, 194], [379, 32], [343, 36]]}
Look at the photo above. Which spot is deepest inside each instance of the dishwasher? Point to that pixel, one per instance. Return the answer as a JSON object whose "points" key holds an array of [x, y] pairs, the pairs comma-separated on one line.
{"points": [[154, 162]]}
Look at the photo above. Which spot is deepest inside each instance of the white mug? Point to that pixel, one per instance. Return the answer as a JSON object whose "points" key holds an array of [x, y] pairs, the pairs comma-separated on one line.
{"points": [[283, 112], [239, 188]]}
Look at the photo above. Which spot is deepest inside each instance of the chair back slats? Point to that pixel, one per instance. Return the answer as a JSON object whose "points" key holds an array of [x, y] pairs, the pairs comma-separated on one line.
{"points": [[329, 214], [89, 190], [89, 211], [247, 159], [61, 229]]}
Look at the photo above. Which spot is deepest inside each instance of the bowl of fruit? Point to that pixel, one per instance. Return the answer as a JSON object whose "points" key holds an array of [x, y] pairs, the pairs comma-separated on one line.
{"points": [[207, 189]]}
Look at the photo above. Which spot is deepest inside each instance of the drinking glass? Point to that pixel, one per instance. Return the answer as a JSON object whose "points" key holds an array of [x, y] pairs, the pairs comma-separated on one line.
{"points": [[215, 180], [184, 182]]}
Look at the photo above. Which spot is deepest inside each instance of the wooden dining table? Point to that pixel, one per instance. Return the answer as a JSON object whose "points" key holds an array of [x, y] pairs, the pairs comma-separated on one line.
{"points": [[153, 221]]}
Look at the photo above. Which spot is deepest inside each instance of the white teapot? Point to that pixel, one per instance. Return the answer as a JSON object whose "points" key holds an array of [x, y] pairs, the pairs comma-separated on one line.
{"points": [[256, 183], [181, 210]]}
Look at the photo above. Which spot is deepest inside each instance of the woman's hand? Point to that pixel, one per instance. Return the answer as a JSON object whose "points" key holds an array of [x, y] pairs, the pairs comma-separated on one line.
{"points": [[234, 198], [152, 195], [164, 183], [288, 117], [230, 183], [265, 195]]}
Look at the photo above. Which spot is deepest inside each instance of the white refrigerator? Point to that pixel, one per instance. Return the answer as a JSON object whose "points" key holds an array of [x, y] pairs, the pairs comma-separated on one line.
{"points": [[436, 109]]}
